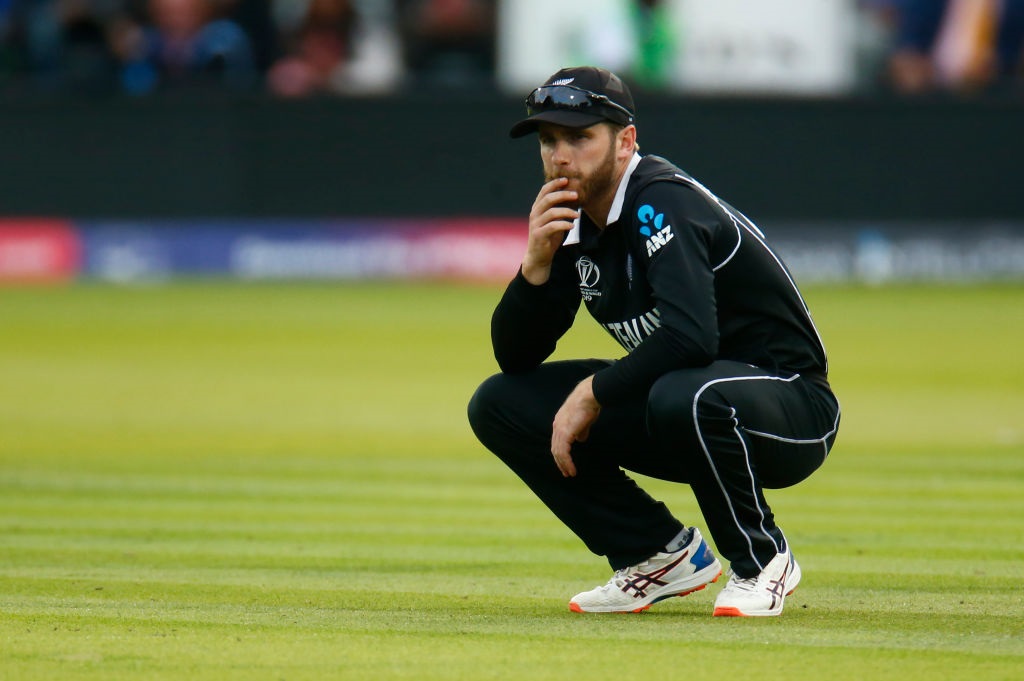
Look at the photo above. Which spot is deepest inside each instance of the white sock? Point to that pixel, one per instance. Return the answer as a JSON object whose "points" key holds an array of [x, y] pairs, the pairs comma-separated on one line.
{"points": [[680, 540]]}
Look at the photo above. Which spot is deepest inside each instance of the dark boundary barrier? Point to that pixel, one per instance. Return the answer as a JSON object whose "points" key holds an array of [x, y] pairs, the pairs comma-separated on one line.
{"points": [[817, 160]]}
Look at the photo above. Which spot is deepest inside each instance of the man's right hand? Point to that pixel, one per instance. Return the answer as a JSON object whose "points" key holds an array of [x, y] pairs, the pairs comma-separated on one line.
{"points": [[550, 219]]}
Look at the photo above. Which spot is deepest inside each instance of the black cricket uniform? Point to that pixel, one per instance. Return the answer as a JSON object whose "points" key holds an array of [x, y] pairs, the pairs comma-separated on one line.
{"points": [[724, 386]]}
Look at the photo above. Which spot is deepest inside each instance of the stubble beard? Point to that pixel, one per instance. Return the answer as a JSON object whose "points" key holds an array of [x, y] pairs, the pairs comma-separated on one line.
{"points": [[595, 185]]}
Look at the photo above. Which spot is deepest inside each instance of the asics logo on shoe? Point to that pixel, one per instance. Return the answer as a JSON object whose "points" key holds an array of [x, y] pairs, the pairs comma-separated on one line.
{"points": [[777, 588], [639, 582]]}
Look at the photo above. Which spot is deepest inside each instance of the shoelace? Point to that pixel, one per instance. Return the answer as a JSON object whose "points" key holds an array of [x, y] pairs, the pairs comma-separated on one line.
{"points": [[619, 578], [739, 583]]}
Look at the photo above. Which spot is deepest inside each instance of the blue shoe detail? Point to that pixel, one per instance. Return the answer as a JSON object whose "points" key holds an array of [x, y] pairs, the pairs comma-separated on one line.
{"points": [[703, 556]]}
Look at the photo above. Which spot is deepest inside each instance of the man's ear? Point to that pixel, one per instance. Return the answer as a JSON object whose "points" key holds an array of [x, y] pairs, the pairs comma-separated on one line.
{"points": [[626, 143]]}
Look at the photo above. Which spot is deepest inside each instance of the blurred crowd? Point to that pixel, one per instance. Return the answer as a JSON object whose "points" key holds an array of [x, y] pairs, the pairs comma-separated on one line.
{"points": [[301, 48], [957, 46], [291, 48]]}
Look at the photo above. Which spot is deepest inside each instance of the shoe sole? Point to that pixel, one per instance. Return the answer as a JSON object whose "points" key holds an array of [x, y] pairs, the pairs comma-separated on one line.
{"points": [[679, 594], [736, 612]]}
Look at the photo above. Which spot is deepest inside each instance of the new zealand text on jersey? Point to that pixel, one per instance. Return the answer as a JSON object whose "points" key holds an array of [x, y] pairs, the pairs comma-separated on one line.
{"points": [[632, 332]]}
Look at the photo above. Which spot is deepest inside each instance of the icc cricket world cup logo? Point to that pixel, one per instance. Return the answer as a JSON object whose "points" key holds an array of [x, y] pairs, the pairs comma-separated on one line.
{"points": [[589, 276]]}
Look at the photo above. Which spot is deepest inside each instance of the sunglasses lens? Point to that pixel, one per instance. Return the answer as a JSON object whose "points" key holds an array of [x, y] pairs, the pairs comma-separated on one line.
{"points": [[570, 98], [559, 96]]}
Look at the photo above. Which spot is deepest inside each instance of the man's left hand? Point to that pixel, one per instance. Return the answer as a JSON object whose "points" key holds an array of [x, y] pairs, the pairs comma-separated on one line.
{"points": [[572, 424]]}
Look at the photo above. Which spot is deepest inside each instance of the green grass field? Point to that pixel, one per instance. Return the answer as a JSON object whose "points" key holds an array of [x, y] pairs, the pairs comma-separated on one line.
{"points": [[254, 481]]}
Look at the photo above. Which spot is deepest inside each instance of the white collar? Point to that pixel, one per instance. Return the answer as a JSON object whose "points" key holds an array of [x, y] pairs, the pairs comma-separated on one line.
{"points": [[620, 194], [615, 212]]}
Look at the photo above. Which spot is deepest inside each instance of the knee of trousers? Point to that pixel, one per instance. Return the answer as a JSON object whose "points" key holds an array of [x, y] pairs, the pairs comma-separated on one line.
{"points": [[503, 421], [484, 408], [678, 411]]}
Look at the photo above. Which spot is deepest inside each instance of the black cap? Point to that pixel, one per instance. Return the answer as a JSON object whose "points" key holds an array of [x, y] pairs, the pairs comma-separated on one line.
{"points": [[590, 95]]}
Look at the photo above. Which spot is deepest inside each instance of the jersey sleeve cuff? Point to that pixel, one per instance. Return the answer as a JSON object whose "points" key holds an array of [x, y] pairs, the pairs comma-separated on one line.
{"points": [[608, 388]]}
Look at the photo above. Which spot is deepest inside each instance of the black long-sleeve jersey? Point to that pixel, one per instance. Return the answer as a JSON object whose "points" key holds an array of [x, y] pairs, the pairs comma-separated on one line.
{"points": [[678, 277]]}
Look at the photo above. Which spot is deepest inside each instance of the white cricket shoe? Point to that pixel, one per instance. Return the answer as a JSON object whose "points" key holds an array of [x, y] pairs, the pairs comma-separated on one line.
{"points": [[763, 595], [663, 575]]}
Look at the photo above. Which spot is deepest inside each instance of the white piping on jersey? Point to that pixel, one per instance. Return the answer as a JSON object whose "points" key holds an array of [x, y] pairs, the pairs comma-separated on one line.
{"points": [[746, 458], [742, 222], [615, 212], [823, 440], [735, 222]]}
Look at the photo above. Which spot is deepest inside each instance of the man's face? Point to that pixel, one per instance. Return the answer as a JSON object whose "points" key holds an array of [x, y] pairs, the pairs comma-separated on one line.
{"points": [[586, 156]]}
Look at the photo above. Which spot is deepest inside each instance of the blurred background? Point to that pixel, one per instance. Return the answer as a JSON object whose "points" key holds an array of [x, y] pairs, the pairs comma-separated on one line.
{"points": [[875, 140]]}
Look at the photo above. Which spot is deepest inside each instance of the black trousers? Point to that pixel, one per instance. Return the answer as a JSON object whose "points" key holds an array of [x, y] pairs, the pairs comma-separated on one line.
{"points": [[729, 430]]}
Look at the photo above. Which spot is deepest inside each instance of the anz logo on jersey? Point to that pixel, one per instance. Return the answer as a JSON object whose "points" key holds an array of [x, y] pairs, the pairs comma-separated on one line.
{"points": [[651, 227]]}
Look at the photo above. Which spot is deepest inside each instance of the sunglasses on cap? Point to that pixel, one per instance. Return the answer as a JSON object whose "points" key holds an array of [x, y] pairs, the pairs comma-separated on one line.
{"points": [[572, 98]]}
